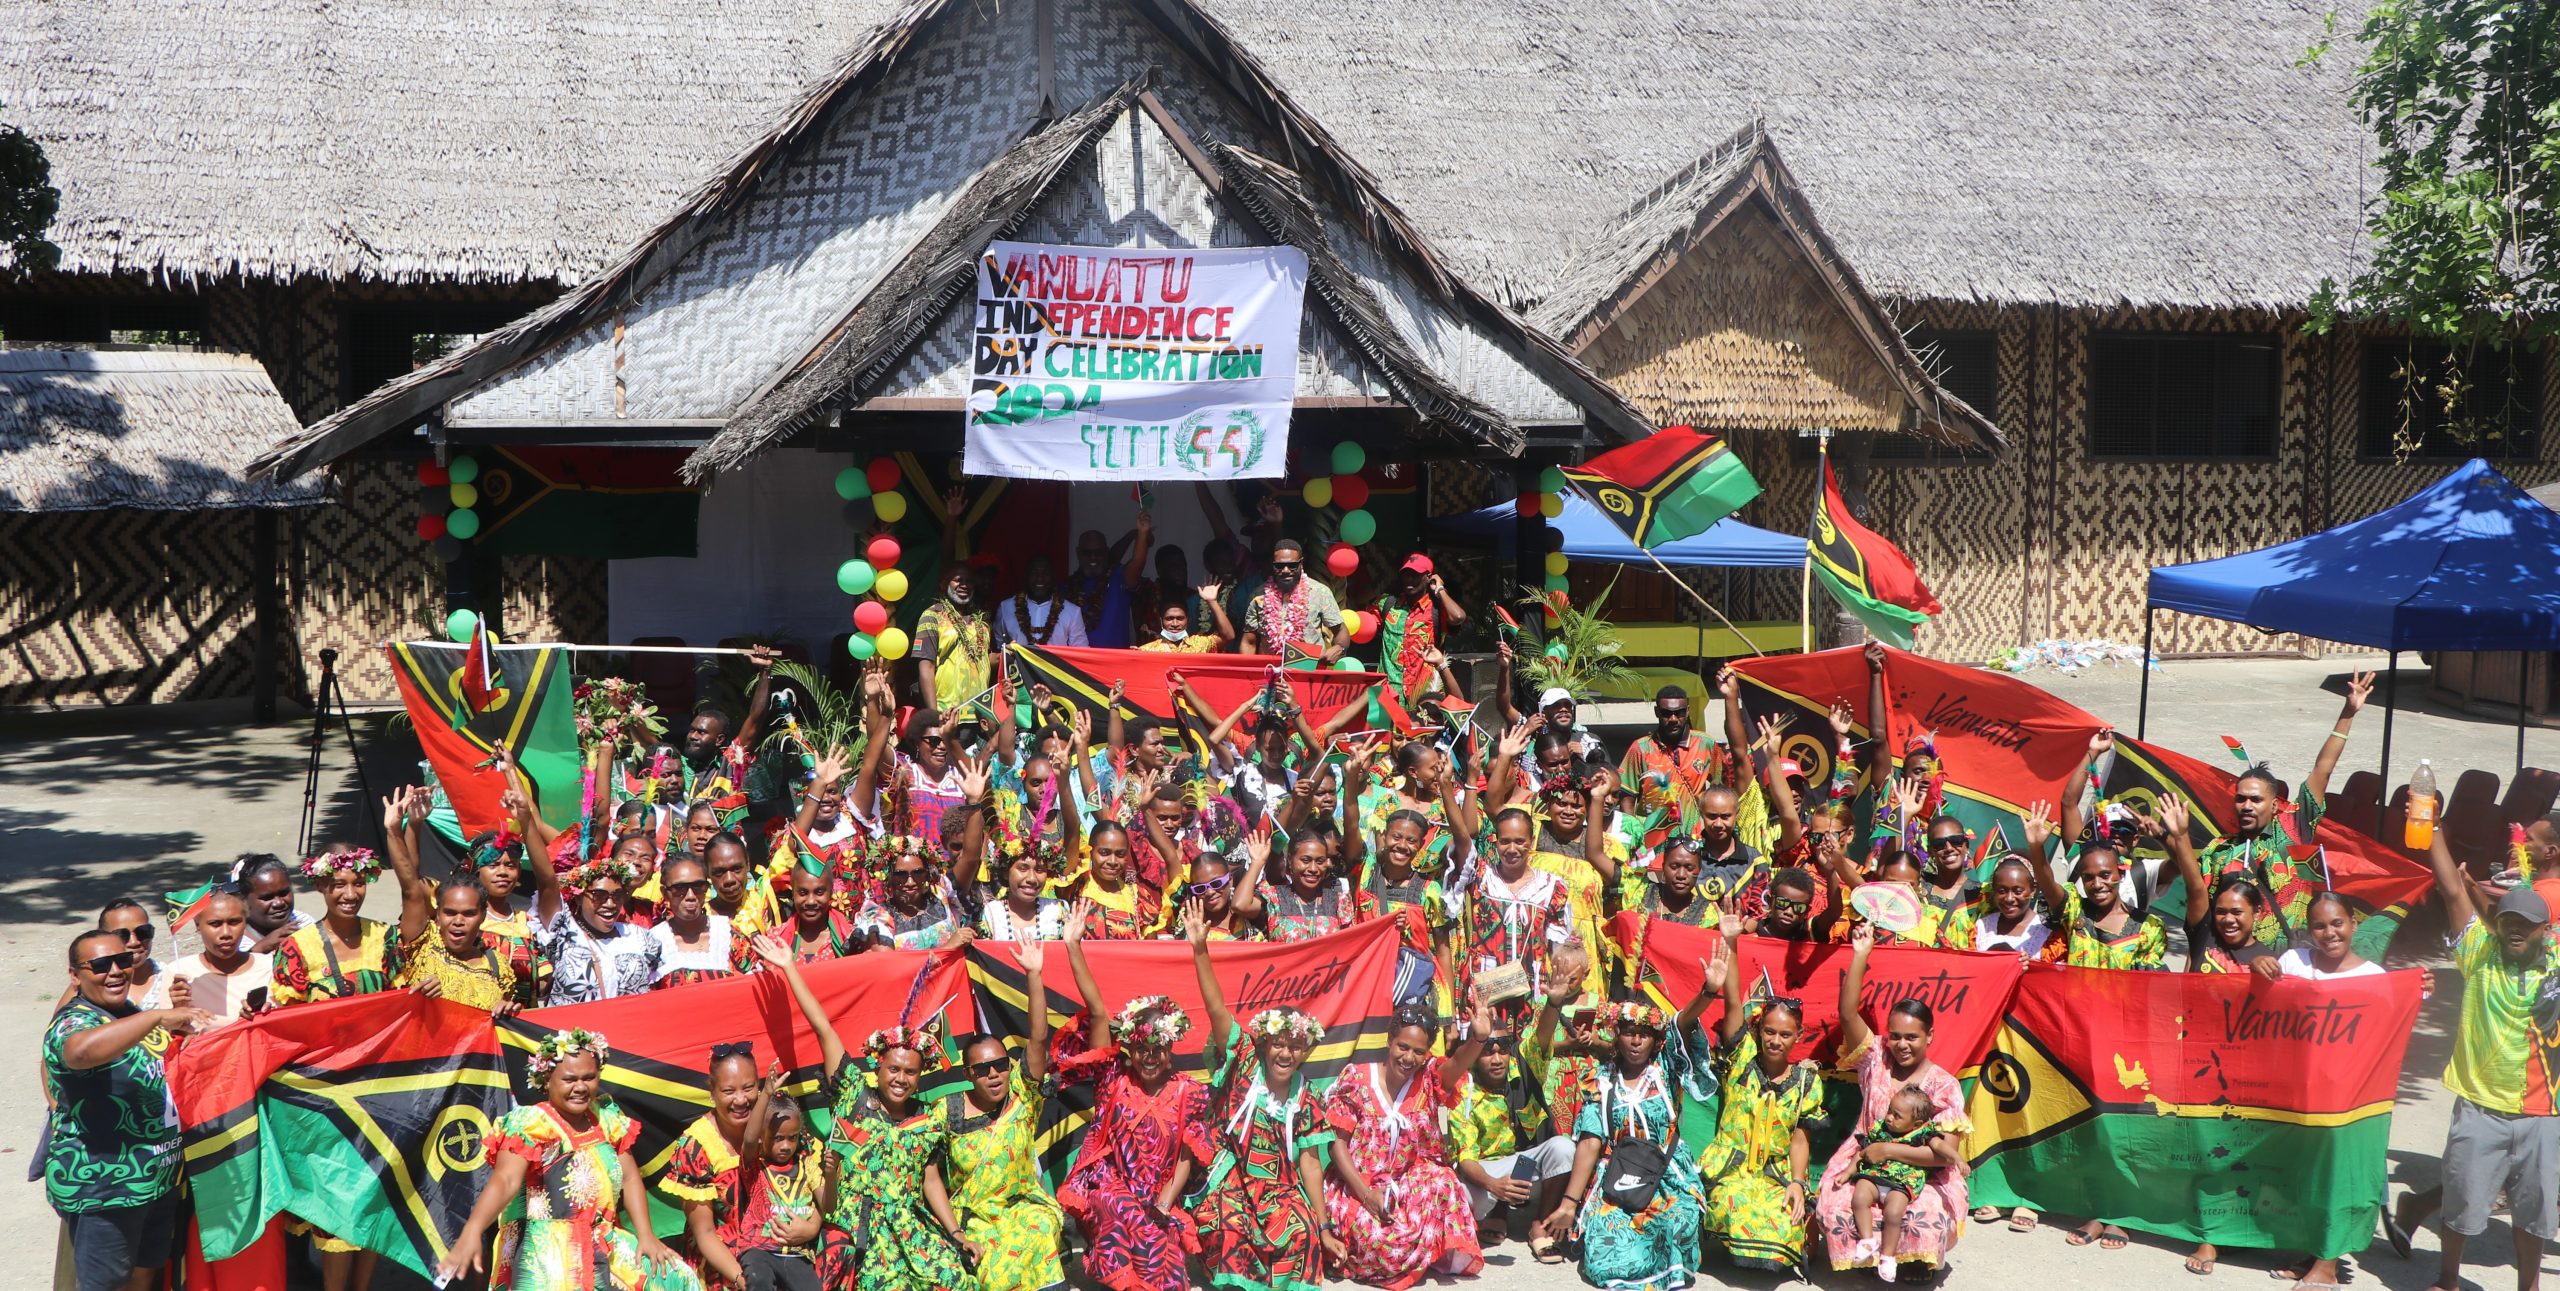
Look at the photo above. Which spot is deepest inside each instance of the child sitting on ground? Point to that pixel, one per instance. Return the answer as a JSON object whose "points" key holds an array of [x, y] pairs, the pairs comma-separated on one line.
{"points": [[1885, 1182]]}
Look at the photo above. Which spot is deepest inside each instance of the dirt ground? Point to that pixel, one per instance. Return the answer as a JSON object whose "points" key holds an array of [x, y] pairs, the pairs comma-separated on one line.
{"points": [[95, 805]]}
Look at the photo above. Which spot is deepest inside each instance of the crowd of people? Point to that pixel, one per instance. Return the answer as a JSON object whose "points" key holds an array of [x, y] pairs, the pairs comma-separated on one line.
{"points": [[1530, 1090]]}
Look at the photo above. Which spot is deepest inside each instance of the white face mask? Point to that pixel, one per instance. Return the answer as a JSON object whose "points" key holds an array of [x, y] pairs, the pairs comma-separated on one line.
{"points": [[1174, 635]]}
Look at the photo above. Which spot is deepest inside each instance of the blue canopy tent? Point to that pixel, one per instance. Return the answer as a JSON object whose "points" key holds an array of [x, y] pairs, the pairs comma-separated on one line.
{"points": [[2471, 563], [1588, 535]]}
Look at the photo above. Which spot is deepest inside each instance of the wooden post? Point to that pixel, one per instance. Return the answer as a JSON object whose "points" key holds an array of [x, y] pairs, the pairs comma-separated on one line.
{"points": [[2142, 713]]}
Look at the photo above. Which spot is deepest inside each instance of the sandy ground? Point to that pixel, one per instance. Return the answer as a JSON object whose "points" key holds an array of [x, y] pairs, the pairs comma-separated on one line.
{"points": [[97, 805]]}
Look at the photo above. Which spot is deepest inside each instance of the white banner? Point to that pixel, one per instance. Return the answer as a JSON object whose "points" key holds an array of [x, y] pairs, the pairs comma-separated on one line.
{"points": [[1108, 363]]}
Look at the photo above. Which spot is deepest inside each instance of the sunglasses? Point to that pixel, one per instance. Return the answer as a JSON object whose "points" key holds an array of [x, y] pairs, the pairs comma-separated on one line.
{"points": [[697, 887], [932, 739], [143, 933], [1288, 564], [1671, 712], [1785, 903], [105, 964], [1211, 887], [1826, 835], [1946, 841], [991, 1067], [602, 896], [906, 876]]}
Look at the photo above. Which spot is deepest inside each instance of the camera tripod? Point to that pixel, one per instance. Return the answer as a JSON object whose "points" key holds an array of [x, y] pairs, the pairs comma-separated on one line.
{"points": [[329, 701]]}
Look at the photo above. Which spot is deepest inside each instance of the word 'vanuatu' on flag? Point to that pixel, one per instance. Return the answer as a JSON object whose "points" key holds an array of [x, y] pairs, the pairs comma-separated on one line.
{"points": [[1081, 677], [366, 1116], [1345, 980], [1672, 484], [1869, 576], [1966, 990], [1098, 363], [2203, 1107], [525, 710]]}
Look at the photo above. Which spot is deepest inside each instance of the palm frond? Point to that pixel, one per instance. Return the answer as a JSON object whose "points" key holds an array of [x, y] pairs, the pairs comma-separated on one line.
{"points": [[1589, 657]]}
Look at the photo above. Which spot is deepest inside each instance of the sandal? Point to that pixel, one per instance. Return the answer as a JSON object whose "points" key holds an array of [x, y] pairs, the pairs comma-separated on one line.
{"points": [[2081, 1236], [1986, 1214], [1543, 1250], [2202, 1268], [2111, 1238], [2022, 1220]]}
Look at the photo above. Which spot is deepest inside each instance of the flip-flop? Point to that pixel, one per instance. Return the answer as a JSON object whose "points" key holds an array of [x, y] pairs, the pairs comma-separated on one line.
{"points": [[1986, 1214], [2317, 1286], [2201, 1268], [2023, 1220], [2288, 1272], [1543, 1250], [2078, 1237], [2111, 1238], [2394, 1233]]}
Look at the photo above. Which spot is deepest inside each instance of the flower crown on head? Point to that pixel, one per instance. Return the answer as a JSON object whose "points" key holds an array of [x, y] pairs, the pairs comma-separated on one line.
{"points": [[880, 851], [1630, 1013], [359, 861], [1281, 1020], [503, 845], [603, 867], [1150, 1019], [924, 1040], [559, 1046], [1013, 844]]}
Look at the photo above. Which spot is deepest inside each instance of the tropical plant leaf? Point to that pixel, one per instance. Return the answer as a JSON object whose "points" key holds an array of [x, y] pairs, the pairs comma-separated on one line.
{"points": [[1591, 648]]}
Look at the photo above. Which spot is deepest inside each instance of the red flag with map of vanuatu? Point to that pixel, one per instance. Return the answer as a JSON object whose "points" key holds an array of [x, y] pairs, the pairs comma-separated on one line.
{"points": [[2204, 1107], [1081, 677]]}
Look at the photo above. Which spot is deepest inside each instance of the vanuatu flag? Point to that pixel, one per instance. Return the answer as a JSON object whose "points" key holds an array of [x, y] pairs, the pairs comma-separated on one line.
{"points": [[1669, 485], [615, 503], [1081, 677], [527, 712], [1345, 980], [2198, 1106], [365, 1116], [1869, 576]]}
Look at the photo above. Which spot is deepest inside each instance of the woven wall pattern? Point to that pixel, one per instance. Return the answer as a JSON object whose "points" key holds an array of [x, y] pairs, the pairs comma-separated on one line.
{"points": [[116, 607]]}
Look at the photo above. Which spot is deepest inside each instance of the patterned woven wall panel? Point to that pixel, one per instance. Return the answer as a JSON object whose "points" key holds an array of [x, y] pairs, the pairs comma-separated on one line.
{"points": [[119, 607]]}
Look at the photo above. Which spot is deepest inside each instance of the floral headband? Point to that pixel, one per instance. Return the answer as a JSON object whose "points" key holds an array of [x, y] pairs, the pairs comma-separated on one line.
{"points": [[603, 867], [359, 861], [559, 1046], [1150, 1019], [924, 1040], [504, 845], [1281, 1020], [1630, 1013], [884, 850]]}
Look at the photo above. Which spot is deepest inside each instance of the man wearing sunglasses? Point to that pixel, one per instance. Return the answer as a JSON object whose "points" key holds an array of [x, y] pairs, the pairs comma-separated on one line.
{"points": [[1295, 616], [111, 1162]]}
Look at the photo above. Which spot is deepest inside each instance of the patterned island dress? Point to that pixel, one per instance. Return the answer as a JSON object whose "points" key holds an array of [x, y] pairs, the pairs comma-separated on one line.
{"points": [[896, 1245], [1935, 1217], [992, 1164], [1746, 1164], [1258, 1230], [570, 1236], [1656, 1249], [1394, 1137], [1128, 1153]]}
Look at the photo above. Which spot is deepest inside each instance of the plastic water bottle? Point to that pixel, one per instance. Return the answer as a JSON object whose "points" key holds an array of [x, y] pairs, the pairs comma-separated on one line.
{"points": [[2419, 833]]}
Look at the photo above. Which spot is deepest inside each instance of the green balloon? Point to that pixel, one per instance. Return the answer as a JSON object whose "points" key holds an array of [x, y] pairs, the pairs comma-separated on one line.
{"points": [[860, 646], [851, 484], [1358, 526], [854, 577], [1551, 480], [1348, 664], [462, 523], [1555, 582], [1348, 458], [458, 625], [463, 470]]}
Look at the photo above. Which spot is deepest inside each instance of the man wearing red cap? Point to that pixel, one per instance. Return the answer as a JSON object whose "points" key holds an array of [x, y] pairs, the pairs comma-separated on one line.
{"points": [[1411, 623]]}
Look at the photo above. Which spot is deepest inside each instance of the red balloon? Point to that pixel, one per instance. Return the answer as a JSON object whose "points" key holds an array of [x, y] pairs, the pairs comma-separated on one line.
{"points": [[433, 474], [883, 474], [431, 527], [1368, 628], [1342, 560], [871, 616], [883, 552], [1350, 492], [1528, 504]]}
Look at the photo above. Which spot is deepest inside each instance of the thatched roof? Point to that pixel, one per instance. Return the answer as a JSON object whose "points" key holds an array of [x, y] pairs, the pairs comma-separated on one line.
{"points": [[2087, 152], [1637, 249], [149, 430]]}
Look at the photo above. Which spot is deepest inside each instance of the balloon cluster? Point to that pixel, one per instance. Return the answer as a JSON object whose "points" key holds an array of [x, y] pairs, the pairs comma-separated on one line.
{"points": [[874, 575], [1348, 489], [1548, 502], [454, 485], [459, 624]]}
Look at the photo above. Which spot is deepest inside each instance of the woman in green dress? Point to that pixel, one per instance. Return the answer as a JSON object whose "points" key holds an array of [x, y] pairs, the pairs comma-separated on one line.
{"points": [[569, 1158], [1008, 1221], [1756, 1166], [887, 1149]]}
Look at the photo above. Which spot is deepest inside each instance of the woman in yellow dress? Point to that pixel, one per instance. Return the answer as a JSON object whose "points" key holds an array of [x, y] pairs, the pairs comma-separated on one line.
{"points": [[1573, 844], [1009, 1222], [446, 947]]}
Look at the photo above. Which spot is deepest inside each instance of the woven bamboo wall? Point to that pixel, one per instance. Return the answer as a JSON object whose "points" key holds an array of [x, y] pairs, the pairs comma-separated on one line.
{"points": [[114, 607], [1741, 335]]}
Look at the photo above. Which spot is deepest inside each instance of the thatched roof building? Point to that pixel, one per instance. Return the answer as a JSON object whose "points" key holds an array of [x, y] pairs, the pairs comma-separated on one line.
{"points": [[2077, 152], [147, 430]]}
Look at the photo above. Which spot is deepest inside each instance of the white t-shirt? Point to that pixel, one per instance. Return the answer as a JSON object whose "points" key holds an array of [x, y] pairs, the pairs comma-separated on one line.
{"points": [[218, 993], [2026, 941], [2297, 963], [1069, 630]]}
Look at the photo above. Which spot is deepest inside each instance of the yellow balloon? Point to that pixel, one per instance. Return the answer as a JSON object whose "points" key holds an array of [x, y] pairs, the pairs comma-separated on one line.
{"points": [[1351, 622], [891, 586], [892, 643], [465, 495], [1318, 493], [1557, 565], [1551, 505], [890, 507]]}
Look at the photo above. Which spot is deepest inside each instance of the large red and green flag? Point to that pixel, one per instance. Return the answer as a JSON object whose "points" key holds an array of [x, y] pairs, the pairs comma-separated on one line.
{"points": [[1345, 980], [364, 1116], [612, 503], [1967, 991], [2202, 1107], [1672, 484], [1081, 678], [525, 710], [1868, 575]]}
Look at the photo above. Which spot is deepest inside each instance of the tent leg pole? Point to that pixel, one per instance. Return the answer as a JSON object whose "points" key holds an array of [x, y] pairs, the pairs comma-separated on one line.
{"points": [[2522, 662], [2390, 701], [2142, 714]]}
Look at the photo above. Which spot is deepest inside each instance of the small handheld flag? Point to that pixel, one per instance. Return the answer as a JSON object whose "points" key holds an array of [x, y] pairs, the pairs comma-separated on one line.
{"points": [[479, 677], [2239, 751]]}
